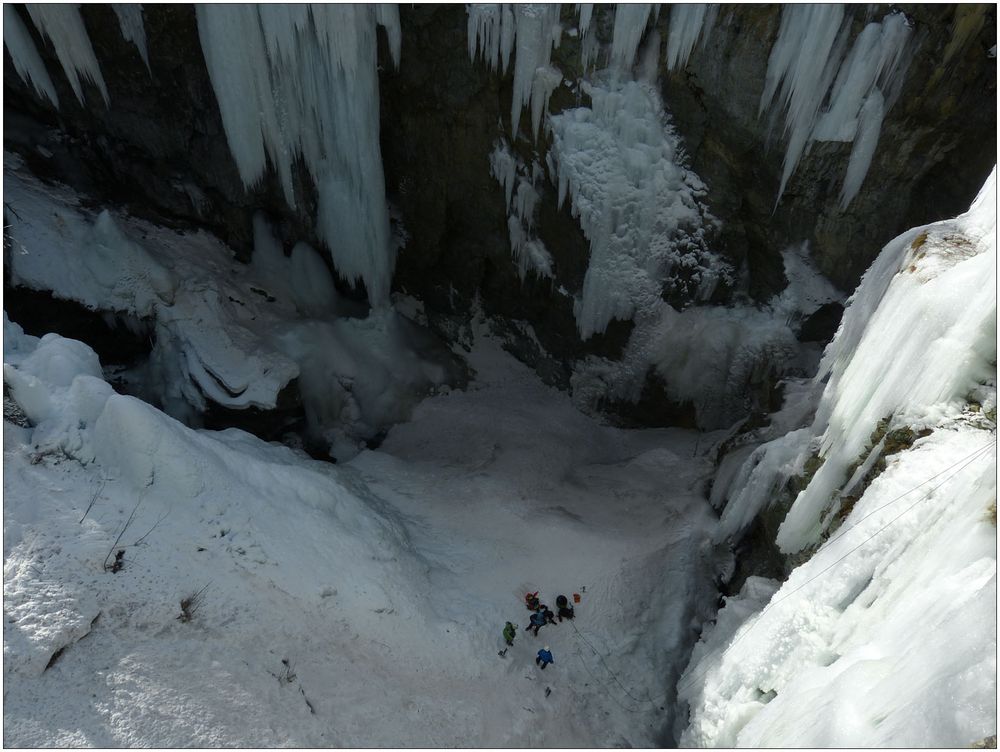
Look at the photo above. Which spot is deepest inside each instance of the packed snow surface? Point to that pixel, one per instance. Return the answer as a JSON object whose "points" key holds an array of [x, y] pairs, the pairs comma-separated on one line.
{"points": [[886, 635], [358, 604]]}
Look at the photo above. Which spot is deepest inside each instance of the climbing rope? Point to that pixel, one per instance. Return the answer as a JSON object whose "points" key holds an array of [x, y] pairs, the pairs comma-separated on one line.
{"points": [[613, 675]]}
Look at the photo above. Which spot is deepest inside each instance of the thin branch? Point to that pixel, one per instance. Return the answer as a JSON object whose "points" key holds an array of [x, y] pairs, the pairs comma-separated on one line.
{"points": [[127, 523], [162, 518], [91, 504]]}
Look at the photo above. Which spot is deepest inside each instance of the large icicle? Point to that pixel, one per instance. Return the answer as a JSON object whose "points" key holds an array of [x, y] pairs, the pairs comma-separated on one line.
{"points": [[133, 30], [27, 62], [298, 80], [803, 62], [689, 24], [866, 87], [630, 23], [869, 126], [495, 30], [530, 254], [64, 26]]}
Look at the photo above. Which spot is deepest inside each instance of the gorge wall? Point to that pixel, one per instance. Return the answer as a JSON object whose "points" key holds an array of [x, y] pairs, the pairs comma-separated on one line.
{"points": [[159, 149]]}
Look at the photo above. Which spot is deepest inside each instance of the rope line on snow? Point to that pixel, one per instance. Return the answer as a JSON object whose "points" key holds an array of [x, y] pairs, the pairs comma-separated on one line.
{"points": [[613, 675], [964, 462], [598, 682]]}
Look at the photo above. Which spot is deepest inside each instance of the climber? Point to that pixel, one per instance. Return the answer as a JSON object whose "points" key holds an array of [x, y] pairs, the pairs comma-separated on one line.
{"points": [[508, 633], [550, 618], [531, 601], [544, 657], [538, 620], [565, 610]]}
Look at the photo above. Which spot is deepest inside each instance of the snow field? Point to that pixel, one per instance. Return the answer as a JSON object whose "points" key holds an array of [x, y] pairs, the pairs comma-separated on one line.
{"points": [[384, 582]]}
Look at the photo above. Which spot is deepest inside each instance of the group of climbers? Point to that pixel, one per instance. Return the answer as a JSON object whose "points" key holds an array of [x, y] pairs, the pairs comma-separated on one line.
{"points": [[541, 616]]}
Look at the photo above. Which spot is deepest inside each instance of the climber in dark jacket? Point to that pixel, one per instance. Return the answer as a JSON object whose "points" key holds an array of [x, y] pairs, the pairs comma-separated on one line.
{"points": [[565, 610], [537, 621], [550, 618], [544, 657]]}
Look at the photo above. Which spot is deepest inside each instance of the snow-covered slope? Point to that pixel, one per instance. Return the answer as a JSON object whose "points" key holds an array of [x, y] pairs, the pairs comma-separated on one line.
{"points": [[886, 636], [358, 604]]}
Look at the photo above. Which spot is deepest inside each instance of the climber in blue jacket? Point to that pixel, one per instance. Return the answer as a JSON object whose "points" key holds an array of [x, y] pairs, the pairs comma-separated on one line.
{"points": [[537, 620], [544, 657]]}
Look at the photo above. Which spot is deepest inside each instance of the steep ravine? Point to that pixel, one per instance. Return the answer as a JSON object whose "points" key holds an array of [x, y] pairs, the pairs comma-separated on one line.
{"points": [[440, 117]]}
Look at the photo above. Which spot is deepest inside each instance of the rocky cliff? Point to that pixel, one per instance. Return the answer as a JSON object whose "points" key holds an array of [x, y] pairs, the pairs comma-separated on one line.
{"points": [[160, 150]]}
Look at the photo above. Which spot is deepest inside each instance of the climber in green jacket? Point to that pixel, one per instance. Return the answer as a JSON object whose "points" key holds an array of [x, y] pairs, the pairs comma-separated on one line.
{"points": [[508, 633]]}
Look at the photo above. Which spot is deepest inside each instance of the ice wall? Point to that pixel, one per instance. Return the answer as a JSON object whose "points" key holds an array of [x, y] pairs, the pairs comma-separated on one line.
{"points": [[929, 304], [892, 622], [807, 67], [637, 203], [889, 628], [300, 82]]}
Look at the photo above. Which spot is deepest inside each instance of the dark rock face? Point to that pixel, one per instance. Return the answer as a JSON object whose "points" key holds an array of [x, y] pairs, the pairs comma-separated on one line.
{"points": [[821, 324], [937, 145], [160, 150], [113, 342], [441, 115]]}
